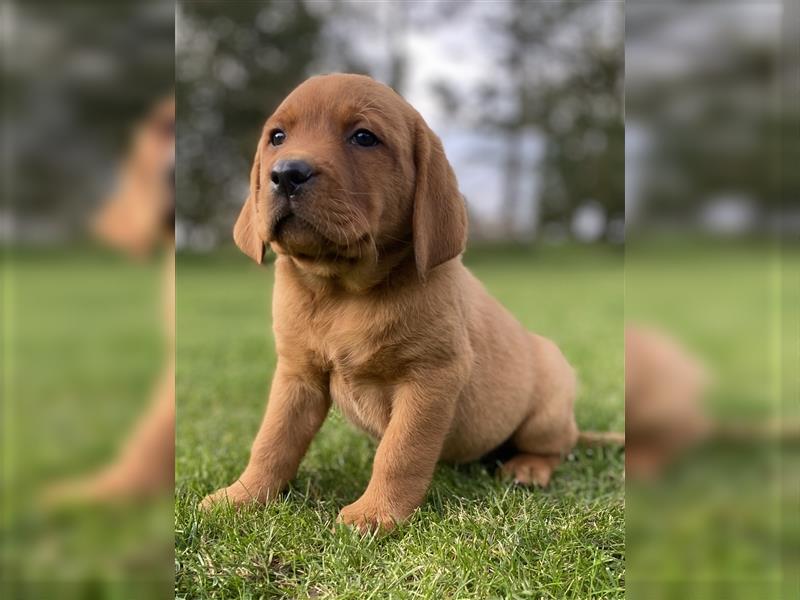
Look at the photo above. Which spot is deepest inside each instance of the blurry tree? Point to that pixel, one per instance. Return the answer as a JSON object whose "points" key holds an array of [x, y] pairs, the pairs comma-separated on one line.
{"points": [[369, 38], [566, 84], [559, 77], [76, 77], [585, 152], [714, 122]]}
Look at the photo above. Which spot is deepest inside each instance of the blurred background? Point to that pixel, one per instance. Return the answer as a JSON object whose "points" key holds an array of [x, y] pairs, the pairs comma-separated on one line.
{"points": [[711, 260], [526, 96], [81, 322]]}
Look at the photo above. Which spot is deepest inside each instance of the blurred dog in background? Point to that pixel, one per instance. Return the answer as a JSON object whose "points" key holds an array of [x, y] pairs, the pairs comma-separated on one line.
{"points": [[665, 413], [138, 218]]}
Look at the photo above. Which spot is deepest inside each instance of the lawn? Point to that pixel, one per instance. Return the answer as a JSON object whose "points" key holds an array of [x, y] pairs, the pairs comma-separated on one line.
{"points": [[81, 350], [727, 522], [475, 537]]}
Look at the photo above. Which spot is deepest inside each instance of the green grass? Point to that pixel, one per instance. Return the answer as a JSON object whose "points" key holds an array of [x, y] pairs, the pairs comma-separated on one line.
{"points": [[82, 348], [727, 522], [475, 537]]}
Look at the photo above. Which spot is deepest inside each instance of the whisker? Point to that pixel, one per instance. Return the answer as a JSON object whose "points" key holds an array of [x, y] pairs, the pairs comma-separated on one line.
{"points": [[394, 239], [353, 193]]}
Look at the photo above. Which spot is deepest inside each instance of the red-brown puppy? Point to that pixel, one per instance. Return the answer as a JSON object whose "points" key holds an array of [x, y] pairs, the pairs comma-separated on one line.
{"points": [[374, 311]]}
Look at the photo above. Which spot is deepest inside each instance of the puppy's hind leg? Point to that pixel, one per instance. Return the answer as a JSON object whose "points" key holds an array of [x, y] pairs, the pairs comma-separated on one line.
{"points": [[530, 469], [541, 442], [549, 432]]}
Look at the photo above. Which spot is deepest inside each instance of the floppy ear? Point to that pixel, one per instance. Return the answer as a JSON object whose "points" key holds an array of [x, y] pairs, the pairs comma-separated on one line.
{"points": [[247, 231], [439, 221]]}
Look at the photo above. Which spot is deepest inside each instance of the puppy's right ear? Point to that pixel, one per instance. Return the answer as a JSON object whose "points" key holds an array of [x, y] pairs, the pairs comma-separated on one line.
{"points": [[248, 232]]}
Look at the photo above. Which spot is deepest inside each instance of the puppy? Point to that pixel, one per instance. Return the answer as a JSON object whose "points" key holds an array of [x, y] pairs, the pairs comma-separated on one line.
{"points": [[374, 311]]}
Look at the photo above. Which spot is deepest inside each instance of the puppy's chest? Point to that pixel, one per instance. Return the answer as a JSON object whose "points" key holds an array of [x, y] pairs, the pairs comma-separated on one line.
{"points": [[364, 368], [365, 403], [366, 348]]}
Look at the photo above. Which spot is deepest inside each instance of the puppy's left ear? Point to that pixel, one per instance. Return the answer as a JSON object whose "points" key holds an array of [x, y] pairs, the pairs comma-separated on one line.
{"points": [[247, 233], [439, 221]]}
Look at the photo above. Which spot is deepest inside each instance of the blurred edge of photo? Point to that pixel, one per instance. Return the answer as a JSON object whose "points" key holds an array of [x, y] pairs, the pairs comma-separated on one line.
{"points": [[88, 299], [711, 299]]}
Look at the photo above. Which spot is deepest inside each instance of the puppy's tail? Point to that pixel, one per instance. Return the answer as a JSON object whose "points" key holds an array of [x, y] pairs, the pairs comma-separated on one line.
{"points": [[601, 438]]}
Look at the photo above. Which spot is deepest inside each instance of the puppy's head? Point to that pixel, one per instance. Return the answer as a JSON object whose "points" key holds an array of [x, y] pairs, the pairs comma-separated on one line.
{"points": [[346, 171]]}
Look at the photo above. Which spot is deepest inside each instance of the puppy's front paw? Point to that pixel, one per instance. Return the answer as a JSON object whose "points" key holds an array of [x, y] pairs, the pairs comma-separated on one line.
{"points": [[236, 495], [368, 515]]}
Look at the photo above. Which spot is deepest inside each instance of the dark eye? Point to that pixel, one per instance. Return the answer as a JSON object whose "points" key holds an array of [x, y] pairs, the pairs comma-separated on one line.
{"points": [[277, 137], [365, 138]]}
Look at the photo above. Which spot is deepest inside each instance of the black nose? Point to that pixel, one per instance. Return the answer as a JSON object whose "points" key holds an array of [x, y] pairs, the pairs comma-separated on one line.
{"points": [[289, 175]]}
